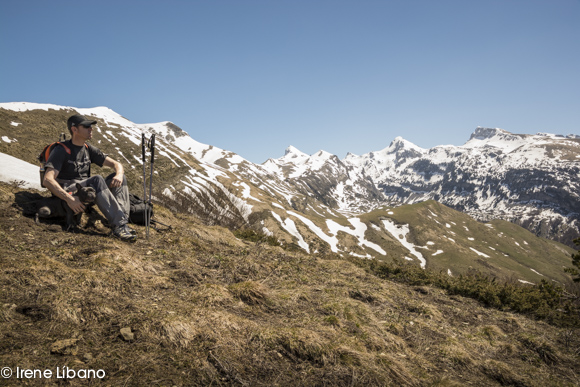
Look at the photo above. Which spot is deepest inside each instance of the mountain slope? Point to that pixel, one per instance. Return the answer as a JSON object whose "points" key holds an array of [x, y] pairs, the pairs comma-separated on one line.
{"points": [[317, 203], [197, 306]]}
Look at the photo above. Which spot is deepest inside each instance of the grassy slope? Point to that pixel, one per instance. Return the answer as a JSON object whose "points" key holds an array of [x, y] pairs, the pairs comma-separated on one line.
{"points": [[207, 308], [511, 250]]}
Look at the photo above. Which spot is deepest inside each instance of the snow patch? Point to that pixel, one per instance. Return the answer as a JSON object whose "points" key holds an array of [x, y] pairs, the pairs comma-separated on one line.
{"points": [[246, 192], [537, 272], [14, 169], [290, 226], [400, 233], [479, 252]]}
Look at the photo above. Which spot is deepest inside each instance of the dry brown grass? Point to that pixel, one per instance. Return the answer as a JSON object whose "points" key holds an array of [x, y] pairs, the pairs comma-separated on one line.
{"points": [[208, 309]]}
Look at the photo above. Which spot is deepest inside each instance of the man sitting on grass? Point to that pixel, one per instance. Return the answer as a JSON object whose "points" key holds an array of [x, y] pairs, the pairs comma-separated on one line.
{"points": [[70, 164]]}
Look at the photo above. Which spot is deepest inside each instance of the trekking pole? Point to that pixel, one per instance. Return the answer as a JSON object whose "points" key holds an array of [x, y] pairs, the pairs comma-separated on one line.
{"points": [[152, 149], [144, 181]]}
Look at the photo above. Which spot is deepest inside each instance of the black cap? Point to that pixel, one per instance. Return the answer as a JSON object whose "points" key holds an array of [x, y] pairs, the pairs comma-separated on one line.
{"points": [[77, 120]]}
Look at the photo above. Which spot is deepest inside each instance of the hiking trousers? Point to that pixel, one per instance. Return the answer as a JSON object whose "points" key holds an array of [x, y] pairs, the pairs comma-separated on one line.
{"points": [[113, 202]]}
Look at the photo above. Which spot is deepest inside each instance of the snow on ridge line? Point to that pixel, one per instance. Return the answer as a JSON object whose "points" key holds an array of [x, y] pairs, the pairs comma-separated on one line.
{"points": [[185, 143], [26, 106]]}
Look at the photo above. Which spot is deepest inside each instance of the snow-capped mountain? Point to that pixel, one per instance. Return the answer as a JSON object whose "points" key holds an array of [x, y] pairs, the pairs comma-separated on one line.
{"points": [[527, 179], [326, 178], [356, 205], [531, 180]]}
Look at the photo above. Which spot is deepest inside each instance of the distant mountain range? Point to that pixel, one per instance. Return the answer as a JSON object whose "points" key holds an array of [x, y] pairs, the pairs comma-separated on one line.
{"points": [[402, 202], [531, 180]]}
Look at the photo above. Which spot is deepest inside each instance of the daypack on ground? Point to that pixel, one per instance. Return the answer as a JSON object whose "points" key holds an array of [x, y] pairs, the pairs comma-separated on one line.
{"points": [[138, 209]]}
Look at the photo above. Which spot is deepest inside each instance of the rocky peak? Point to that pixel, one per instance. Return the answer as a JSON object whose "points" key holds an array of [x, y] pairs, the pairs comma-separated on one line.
{"points": [[403, 148], [486, 133], [293, 152], [400, 143], [322, 154], [177, 131]]}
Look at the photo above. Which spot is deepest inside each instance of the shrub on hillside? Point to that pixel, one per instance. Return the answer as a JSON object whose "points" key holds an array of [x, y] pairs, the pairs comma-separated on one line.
{"points": [[253, 236], [545, 300], [575, 271]]}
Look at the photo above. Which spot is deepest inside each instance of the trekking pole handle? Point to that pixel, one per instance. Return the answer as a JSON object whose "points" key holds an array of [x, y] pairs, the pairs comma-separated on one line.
{"points": [[152, 148]]}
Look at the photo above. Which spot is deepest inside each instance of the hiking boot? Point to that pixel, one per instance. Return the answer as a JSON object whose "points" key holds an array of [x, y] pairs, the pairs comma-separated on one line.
{"points": [[133, 232], [124, 233]]}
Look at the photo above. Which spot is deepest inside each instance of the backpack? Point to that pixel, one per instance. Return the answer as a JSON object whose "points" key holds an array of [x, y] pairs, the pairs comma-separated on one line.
{"points": [[138, 209], [44, 155]]}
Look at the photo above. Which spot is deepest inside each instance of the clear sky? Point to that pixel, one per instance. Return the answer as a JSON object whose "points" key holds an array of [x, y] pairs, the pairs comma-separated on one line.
{"points": [[253, 76]]}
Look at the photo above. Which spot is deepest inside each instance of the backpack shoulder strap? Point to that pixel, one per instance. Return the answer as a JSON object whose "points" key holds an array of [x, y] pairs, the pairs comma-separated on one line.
{"points": [[47, 149], [87, 149]]}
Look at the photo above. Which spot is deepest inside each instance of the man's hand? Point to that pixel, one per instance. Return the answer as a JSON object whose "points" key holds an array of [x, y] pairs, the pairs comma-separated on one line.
{"points": [[116, 181], [75, 204]]}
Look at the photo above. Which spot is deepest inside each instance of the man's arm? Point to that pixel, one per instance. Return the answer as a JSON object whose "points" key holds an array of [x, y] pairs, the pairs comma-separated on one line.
{"points": [[51, 184], [117, 180]]}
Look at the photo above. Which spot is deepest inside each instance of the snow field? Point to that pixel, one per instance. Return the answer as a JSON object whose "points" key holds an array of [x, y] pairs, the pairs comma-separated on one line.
{"points": [[14, 169], [358, 232]]}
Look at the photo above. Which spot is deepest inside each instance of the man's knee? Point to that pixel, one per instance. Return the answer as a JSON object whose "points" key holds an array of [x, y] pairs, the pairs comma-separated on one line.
{"points": [[97, 182]]}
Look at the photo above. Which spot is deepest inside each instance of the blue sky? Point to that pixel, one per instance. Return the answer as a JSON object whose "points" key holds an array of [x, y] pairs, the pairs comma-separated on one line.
{"points": [[253, 77]]}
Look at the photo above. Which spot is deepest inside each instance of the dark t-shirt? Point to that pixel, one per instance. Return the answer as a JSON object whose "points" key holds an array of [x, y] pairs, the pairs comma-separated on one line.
{"points": [[75, 166]]}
